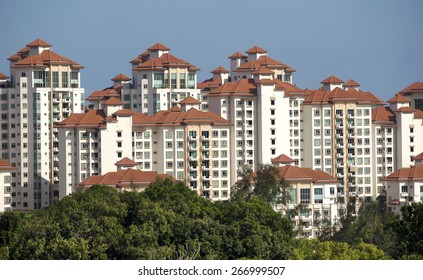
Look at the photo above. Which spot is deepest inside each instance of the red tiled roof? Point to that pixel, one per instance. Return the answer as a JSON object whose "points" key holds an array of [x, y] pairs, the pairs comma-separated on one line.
{"points": [[126, 162], [283, 159], [295, 174], [91, 118], [414, 173], [351, 83], [15, 57], [112, 101], [5, 166], [243, 86], [158, 47], [398, 98], [121, 77], [124, 178], [219, 70], [256, 49], [3, 76], [338, 94], [190, 100], [103, 94], [237, 55], [165, 61], [414, 87], [210, 83], [38, 43], [383, 115], [124, 113], [332, 80], [263, 71], [419, 157], [176, 117], [46, 58]]}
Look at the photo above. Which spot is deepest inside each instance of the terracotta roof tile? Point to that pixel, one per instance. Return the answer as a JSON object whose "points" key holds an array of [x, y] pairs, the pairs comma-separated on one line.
{"points": [[243, 86], [383, 115], [273, 63], [112, 101], [124, 178], [351, 83], [414, 173], [332, 80], [256, 49], [210, 83], [190, 100], [158, 47], [121, 77], [15, 57], [165, 61], [295, 174], [92, 118], [338, 94], [263, 70], [398, 98], [282, 159], [414, 87], [176, 117], [219, 70], [3, 76], [45, 58], [126, 162], [6, 166], [419, 157], [38, 43], [237, 55], [103, 94], [124, 113]]}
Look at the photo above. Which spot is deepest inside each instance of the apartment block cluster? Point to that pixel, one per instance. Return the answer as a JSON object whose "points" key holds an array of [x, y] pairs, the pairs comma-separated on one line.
{"points": [[330, 143]]}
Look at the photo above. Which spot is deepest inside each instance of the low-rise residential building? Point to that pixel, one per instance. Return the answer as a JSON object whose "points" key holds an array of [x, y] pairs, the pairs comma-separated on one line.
{"points": [[313, 199], [405, 185]]}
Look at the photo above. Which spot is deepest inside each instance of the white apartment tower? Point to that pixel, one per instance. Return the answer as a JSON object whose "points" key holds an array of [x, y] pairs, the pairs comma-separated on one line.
{"points": [[182, 142], [5, 185], [159, 81], [339, 136], [44, 88]]}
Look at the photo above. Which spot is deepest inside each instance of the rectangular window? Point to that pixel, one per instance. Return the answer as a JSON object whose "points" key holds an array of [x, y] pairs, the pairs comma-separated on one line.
{"points": [[65, 80], [74, 80], [158, 80], [182, 82], [305, 196], [173, 80], [55, 79]]}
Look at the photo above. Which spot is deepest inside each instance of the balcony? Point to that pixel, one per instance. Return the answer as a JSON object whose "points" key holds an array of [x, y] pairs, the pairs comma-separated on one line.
{"points": [[192, 138], [192, 148], [339, 125], [404, 194], [191, 158], [339, 146], [192, 168], [206, 148], [192, 178], [351, 125], [339, 116], [351, 135], [340, 164], [340, 135], [340, 155], [351, 145], [205, 178]]}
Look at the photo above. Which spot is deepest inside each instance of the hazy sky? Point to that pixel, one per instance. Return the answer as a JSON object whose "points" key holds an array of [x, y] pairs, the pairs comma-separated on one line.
{"points": [[377, 43]]}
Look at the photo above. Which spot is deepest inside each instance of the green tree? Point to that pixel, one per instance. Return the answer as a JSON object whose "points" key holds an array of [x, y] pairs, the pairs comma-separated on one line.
{"points": [[266, 183]]}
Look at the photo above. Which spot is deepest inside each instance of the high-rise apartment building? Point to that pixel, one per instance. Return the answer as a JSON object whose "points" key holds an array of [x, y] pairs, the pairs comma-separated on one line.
{"points": [[159, 81], [182, 142], [44, 88]]}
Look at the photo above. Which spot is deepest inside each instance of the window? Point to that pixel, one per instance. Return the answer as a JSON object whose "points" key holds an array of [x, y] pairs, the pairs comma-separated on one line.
{"points": [[272, 112], [65, 80], [305, 196], [404, 189], [55, 78]]}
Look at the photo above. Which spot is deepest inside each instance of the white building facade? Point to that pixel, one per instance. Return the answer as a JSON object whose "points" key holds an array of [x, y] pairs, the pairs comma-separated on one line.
{"points": [[44, 88]]}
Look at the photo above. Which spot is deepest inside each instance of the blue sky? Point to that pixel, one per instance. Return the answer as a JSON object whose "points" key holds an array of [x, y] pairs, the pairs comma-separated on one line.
{"points": [[377, 43]]}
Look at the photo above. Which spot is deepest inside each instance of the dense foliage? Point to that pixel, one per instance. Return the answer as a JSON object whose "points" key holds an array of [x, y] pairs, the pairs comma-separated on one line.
{"points": [[169, 221]]}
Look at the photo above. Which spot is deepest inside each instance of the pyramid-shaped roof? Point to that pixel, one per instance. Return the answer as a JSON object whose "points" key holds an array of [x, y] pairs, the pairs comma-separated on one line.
{"points": [[332, 80], [158, 47], [256, 49], [219, 70], [398, 98], [38, 43], [126, 162], [121, 77], [282, 159], [190, 100]]}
